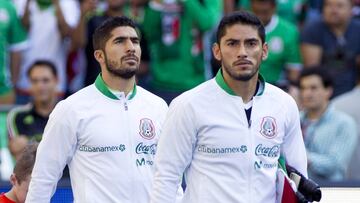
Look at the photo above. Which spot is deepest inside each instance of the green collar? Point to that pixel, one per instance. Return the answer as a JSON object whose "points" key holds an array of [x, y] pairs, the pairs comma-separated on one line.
{"points": [[221, 82], [102, 87]]}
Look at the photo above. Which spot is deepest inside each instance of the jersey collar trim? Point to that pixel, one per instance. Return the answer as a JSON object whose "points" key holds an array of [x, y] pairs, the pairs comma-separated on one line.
{"points": [[219, 78], [102, 87], [272, 24]]}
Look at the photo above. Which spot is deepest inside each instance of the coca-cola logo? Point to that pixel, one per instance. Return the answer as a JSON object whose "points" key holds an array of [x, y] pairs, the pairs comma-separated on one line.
{"points": [[142, 148], [261, 150]]}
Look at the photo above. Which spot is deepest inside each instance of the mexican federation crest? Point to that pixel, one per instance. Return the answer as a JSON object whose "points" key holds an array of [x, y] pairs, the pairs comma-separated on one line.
{"points": [[147, 129], [268, 127]]}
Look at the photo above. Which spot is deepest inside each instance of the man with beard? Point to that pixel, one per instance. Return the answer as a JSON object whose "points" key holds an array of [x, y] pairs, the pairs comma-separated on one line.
{"points": [[227, 134], [107, 132]]}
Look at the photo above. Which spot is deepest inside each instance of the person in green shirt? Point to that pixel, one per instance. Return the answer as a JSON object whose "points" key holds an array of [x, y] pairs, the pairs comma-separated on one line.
{"points": [[291, 10], [174, 30], [283, 64], [12, 41]]}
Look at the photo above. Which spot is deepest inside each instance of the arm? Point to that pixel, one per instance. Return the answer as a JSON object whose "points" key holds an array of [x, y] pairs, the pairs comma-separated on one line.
{"points": [[64, 28], [79, 36], [174, 152], [311, 54], [339, 152], [229, 6], [55, 150], [15, 61], [25, 19], [310, 44], [292, 55], [293, 148], [206, 14]]}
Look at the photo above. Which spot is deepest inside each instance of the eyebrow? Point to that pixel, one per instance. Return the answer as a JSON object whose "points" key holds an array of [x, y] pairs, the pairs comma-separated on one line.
{"points": [[246, 40], [123, 38]]}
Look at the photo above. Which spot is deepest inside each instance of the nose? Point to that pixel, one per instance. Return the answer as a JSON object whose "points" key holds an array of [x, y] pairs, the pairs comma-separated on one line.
{"points": [[242, 53], [130, 47]]}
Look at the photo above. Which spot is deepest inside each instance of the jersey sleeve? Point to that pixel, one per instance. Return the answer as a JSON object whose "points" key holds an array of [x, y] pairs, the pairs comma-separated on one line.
{"points": [[205, 14], [174, 153], [293, 147], [292, 50], [17, 35], [54, 152]]}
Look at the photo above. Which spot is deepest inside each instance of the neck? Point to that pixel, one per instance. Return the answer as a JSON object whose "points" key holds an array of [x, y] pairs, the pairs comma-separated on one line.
{"points": [[118, 83], [10, 195], [44, 108], [340, 29], [315, 114], [244, 89]]}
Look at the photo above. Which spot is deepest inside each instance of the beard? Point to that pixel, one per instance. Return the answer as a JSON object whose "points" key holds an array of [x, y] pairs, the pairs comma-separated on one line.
{"points": [[120, 71], [240, 77]]}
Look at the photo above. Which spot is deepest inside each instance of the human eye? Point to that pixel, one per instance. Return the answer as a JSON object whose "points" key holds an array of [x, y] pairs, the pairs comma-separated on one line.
{"points": [[231, 43]]}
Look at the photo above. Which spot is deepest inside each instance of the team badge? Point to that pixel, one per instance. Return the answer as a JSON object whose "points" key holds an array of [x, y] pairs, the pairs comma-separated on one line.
{"points": [[268, 127], [147, 129]]}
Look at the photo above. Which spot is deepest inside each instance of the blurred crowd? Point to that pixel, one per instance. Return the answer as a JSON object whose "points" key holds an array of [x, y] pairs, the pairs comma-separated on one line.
{"points": [[314, 55]]}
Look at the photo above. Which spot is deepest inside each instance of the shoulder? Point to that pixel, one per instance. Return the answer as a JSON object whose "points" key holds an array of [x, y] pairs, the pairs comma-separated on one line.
{"points": [[284, 24], [19, 111], [341, 117], [206, 91]]}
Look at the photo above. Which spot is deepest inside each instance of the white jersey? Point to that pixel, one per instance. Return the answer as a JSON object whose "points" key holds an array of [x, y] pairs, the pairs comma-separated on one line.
{"points": [[225, 157], [109, 144]]}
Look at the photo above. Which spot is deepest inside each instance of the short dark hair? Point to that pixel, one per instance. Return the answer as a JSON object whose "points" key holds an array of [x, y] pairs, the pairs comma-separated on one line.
{"points": [[103, 33], [25, 164], [320, 71], [50, 65], [240, 17]]}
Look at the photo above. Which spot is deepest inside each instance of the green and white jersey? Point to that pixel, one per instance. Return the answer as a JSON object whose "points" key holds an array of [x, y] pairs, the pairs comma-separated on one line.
{"points": [[12, 38], [226, 158], [108, 142], [284, 51], [287, 9]]}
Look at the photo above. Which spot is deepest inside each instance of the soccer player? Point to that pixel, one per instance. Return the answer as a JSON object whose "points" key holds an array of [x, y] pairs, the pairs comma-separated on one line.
{"points": [[227, 134], [20, 178], [27, 122], [107, 132]]}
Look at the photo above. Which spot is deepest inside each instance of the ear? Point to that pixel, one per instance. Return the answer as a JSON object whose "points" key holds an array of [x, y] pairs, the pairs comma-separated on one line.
{"points": [[265, 51], [13, 179], [99, 56], [216, 51], [329, 92]]}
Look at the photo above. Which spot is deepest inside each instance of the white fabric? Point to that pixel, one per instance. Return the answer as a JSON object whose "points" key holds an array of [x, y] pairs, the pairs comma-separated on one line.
{"points": [[206, 134], [90, 119], [45, 41]]}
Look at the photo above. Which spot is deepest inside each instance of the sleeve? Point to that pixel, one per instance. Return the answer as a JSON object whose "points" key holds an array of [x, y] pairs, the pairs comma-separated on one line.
{"points": [[339, 152], [205, 14], [174, 153], [293, 147], [71, 12], [311, 34], [17, 35], [292, 50], [152, 24], [54, 152], [11, 123]]}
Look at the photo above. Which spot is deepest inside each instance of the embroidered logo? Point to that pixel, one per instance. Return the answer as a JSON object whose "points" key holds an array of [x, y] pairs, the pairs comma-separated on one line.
{"points": [[268, 127], [147, 129]]}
